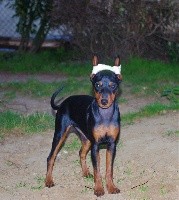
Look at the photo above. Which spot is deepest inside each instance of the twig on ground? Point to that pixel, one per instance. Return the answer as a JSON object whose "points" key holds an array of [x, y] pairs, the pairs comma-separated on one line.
{"points": [[141, 184]]}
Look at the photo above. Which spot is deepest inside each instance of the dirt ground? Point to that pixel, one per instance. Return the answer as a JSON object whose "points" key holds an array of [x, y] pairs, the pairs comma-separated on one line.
{"points": [[146, 164]]}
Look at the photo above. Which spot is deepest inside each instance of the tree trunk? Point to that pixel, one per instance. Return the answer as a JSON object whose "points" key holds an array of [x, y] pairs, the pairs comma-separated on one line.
{"points": [[43, 29]]}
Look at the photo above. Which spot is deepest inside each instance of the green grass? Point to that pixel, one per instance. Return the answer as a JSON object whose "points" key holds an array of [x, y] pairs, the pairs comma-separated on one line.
{"points": [[163, 190], [146, 76], [136, 70], [22, 185], [128, 171], [148, 111], [43, 62], [172, 133], [12, 122], [139, 70], [89, 179], [141, 76], [143, 188], [73, 145], [37, 186], [39, 183], [37, 89]]}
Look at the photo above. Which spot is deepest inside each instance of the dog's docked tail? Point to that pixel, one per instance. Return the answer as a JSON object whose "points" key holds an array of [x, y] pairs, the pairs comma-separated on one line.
{"points": [[55, 107]]}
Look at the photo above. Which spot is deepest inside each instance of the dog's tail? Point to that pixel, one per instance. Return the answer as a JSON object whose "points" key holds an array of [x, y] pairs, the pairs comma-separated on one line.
{"points": [[53, 105]]}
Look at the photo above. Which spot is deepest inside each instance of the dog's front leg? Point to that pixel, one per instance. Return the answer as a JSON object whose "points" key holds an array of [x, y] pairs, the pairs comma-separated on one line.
{"points": [[98, 189], [110, 155]]}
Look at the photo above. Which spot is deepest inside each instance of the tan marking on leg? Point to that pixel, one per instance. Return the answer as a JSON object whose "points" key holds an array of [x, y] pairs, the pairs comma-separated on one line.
{"points": [[98, 133], [49, 180], [98, 189], [112, 189], [83, 152]]}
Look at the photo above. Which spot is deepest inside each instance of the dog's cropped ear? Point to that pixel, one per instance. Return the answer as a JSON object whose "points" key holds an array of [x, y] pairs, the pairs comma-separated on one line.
{"points": [[95, 63], [119, 76], [91, 77], [117, 61], [95, 60]]}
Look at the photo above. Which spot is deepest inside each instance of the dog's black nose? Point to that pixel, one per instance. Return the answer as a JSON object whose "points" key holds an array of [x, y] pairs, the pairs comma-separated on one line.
{"points": [[104, 102]]}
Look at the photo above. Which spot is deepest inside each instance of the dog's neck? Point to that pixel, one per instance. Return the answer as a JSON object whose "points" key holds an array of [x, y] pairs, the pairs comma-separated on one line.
{"points": [[107, 113]]}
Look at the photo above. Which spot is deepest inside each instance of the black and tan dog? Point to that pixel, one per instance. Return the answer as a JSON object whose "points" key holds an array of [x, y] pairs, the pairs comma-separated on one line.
{"points": [[97, 121]]}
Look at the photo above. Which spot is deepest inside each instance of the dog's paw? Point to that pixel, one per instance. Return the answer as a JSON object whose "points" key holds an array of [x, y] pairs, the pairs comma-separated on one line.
{"points": [[113, 190], [87, 174], [99, 191], [49, 183]]}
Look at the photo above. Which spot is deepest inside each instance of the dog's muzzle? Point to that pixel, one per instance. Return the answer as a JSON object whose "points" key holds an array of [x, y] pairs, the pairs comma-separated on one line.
{"points": [[104, 102]]}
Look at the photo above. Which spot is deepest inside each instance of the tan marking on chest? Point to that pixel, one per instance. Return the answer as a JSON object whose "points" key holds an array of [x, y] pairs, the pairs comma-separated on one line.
{"points": [[102, 131]]}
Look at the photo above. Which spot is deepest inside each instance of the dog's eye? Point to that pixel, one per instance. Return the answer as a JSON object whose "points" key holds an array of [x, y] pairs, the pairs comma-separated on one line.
{"points": [[98, 85], [112, 86]]}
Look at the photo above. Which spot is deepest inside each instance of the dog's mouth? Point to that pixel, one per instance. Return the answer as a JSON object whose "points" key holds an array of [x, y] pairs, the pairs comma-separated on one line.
{"points": [[104, 103]]}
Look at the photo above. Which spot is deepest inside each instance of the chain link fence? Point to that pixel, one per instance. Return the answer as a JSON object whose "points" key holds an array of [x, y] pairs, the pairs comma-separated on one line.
{"points": [[8, 21], [8, 28]]}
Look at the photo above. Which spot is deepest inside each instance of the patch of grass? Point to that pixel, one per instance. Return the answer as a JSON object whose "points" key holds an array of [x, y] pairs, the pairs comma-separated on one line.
{"points": [[76, 162], [146, 76], [9, 95], [136, 70], [172, 133], [143, 188], [42, 62], [40, 183], [147, 111], [120, 144], [89, 183], [144, 71], [38, 89], [128, 171], [22, 185], [12, 122], [38, 122], [72, 146], [163, 190], [171, 94], [120, 180], [38, 186], [122, 100], [75, 69], [9, 163], [16, 123], [89, 179], [27, 62]]}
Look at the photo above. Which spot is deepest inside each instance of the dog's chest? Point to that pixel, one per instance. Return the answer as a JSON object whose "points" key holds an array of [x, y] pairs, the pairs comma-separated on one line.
{"points": [[103, 132], [106, 124]]}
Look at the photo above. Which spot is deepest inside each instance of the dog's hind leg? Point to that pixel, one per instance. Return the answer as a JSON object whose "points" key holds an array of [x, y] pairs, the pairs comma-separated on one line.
{"points": [[58, 140]]}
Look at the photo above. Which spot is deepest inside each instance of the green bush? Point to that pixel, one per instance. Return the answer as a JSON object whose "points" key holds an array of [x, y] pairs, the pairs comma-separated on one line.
{"points": [[173, 52]]}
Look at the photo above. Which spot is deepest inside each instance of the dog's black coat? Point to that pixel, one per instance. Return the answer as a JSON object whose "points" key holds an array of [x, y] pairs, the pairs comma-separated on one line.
{"points": [[97, 120]]}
